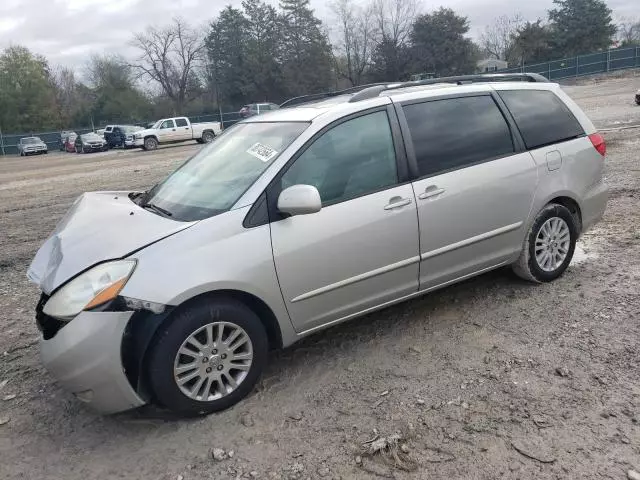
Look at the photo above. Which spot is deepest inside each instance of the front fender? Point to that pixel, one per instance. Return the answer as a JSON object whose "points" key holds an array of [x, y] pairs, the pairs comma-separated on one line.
{"points": [[219, 254]]}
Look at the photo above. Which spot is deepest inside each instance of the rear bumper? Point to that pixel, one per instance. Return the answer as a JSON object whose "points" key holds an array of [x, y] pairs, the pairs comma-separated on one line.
{"points": [[85, 357], [594, 205]]}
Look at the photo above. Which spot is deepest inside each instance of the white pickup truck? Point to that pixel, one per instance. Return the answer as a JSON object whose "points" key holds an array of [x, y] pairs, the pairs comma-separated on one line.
{"points": [[174, 130]]}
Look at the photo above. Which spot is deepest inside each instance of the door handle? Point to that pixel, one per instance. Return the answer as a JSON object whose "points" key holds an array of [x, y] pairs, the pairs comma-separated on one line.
{"points": [[431, 192], [397, 202], [173, 129]]}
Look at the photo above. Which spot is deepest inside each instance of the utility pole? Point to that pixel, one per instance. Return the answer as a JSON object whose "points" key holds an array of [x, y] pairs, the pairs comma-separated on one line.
{"points": [[1, 142]]}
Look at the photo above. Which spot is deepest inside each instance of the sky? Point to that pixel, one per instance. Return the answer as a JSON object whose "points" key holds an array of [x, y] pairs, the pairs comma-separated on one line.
{"points": [[68, 31]]}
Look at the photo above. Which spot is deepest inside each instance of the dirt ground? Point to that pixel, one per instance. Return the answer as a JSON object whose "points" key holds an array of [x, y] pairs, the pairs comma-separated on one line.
{"points": [[491, 378]]}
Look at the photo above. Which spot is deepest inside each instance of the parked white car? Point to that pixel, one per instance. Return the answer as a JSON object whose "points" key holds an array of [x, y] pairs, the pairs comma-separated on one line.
{"points": [[175, 130], [31, 146]]}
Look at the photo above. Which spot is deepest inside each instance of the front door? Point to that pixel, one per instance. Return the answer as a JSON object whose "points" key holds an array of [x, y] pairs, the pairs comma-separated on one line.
{"points": [[167, 131], [475, 190], [361, 249]]}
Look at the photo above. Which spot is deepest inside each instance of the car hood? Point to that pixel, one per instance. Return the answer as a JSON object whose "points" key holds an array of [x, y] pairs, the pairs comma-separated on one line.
{"points": [[146, 131], [99, 226]]}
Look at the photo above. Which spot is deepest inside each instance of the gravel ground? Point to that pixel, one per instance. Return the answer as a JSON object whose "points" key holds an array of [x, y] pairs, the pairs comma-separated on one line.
{"points": [[491, 378]]}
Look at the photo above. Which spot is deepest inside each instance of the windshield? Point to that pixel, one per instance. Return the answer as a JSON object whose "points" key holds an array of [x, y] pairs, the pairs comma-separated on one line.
{"points": [[157, 124], [215, 178], [31, 140]]}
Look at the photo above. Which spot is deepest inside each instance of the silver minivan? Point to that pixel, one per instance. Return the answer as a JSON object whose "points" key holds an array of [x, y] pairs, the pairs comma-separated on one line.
{"points": [[306, 217]]}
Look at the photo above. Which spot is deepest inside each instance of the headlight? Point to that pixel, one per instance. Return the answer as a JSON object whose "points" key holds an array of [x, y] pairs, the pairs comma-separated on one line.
{"points": [[93, 288]]}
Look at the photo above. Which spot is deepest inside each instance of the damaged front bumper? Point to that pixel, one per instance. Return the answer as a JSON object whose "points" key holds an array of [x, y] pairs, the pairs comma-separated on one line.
{"points": [[85, 356]]}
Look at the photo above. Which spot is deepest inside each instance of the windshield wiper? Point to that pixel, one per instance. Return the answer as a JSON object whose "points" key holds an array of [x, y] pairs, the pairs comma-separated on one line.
{"points": [[157, 209]]}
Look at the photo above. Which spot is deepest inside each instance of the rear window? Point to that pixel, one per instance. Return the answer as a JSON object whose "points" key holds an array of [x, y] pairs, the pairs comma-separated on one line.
{"points": [[457, 132], [543, 119]]}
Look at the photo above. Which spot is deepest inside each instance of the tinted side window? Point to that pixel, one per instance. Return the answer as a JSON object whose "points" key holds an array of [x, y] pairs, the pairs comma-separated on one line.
{"points": [[542, 118], [181, 122], [453, 133], [352, 159]]}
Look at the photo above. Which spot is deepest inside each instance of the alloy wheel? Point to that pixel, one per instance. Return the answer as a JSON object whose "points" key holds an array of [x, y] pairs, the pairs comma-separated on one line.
{"points": [[213, 361], [552, 244]]}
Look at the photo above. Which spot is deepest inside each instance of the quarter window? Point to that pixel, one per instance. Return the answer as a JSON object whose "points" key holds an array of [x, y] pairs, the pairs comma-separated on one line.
{"points": [[543, 119], [457, 132], [352, 159]]}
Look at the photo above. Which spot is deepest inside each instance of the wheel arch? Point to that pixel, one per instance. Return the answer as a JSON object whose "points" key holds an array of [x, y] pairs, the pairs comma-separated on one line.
{"points": [[145, 327], [572, 205]]}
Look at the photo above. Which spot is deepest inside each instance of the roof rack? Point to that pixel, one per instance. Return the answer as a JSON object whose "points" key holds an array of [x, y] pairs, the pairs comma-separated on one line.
{"points": [[375, 90], [372, 90], [319, 96]]}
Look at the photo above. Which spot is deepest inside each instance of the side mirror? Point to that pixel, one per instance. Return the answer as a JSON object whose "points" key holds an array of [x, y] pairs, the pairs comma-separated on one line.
{"points": [[299, 200]]}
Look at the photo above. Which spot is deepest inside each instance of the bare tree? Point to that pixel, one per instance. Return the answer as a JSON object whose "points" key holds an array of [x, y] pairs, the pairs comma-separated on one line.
{"points": [[171, 56], [394, 19], [65, 84], [498, 38], [357, 37], [629, 31]]}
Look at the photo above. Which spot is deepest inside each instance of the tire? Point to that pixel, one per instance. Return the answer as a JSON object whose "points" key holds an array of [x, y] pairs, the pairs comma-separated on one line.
{"points": [[150, 143], [208, 136], [164, 357], [531, 268]]}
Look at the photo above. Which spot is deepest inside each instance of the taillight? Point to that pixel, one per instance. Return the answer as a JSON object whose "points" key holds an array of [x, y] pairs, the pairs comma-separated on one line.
{"points": [[599, 144]]}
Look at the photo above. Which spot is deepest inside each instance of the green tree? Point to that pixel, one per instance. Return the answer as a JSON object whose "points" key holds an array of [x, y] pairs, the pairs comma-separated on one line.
{"points": [[306, 58], [390, 61], [581, 26], [533, 43], [227, 46], [439, 44], [264, 51], [27, 92]]}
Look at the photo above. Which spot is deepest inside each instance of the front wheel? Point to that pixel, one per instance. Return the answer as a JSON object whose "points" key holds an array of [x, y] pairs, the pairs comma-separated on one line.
{"points": [[208, 358], [150, 144], [549, 246]]}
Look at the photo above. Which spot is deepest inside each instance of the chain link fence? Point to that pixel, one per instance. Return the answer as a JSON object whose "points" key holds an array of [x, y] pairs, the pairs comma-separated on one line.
{"points": [[601, 62], [9, 142]]}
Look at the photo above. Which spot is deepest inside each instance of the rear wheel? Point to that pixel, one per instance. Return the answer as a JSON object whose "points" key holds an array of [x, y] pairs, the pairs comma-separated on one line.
{"points": [[208, 358], [150, 143], [549, 245], [207, 137]]}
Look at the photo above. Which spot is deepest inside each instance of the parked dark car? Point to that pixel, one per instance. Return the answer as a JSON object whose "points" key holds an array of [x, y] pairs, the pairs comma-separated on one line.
{"points": [[257, 108], [117, 135], [90, 142], [638, 97]]}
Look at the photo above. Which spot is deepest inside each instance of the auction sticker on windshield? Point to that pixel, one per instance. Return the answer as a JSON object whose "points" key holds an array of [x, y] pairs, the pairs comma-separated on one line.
{"points": [[262, 152]]}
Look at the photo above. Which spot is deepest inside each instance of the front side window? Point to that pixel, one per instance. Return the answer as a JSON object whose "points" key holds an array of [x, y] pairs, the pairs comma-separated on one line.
{"points": [[457, 132], [214, 179], [541, 117], [181, 122], [354, 158], [167, 124]]}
